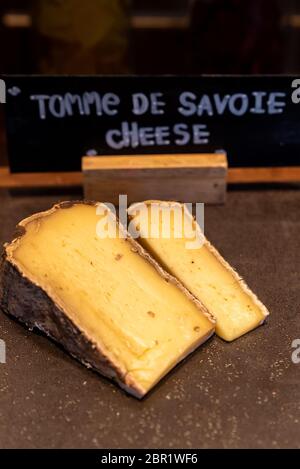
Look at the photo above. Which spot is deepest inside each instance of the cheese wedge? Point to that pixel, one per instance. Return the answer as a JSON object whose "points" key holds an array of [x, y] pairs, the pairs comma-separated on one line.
{"points": [[101, 296], [177, 243]]}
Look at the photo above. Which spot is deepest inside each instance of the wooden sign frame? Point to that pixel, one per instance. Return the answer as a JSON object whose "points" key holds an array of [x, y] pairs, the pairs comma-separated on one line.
{"points": [[71, 179], [188, 178]]}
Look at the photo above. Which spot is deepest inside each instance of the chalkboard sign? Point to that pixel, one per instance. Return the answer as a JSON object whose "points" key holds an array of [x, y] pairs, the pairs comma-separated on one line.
{"points": [[53, 121]]}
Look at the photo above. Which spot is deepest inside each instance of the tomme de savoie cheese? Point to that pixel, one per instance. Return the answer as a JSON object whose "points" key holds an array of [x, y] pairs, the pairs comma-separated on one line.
{"points": [[102, 297], [199, 266]]}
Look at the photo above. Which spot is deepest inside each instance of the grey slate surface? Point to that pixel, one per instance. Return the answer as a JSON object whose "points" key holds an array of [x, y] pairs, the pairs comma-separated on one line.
{"points": [[242, 394]]}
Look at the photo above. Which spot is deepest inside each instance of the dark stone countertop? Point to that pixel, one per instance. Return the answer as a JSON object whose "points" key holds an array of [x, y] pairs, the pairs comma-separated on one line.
{"points": [[241, 394]]}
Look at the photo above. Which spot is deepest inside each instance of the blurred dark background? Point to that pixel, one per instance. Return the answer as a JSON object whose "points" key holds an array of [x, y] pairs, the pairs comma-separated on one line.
{"points": [[149, 37]]}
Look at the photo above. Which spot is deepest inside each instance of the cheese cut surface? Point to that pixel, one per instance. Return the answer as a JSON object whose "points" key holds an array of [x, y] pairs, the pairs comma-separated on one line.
{"points": [[202, 270], [128, 318]]}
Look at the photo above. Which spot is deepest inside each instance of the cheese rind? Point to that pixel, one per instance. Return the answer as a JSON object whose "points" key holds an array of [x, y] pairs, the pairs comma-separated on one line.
{"points": [[202, 270], [104, 299]]}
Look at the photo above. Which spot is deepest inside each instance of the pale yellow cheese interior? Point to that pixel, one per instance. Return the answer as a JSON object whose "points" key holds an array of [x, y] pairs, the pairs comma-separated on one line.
{"points": [[144, 324], [199, 269]]}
